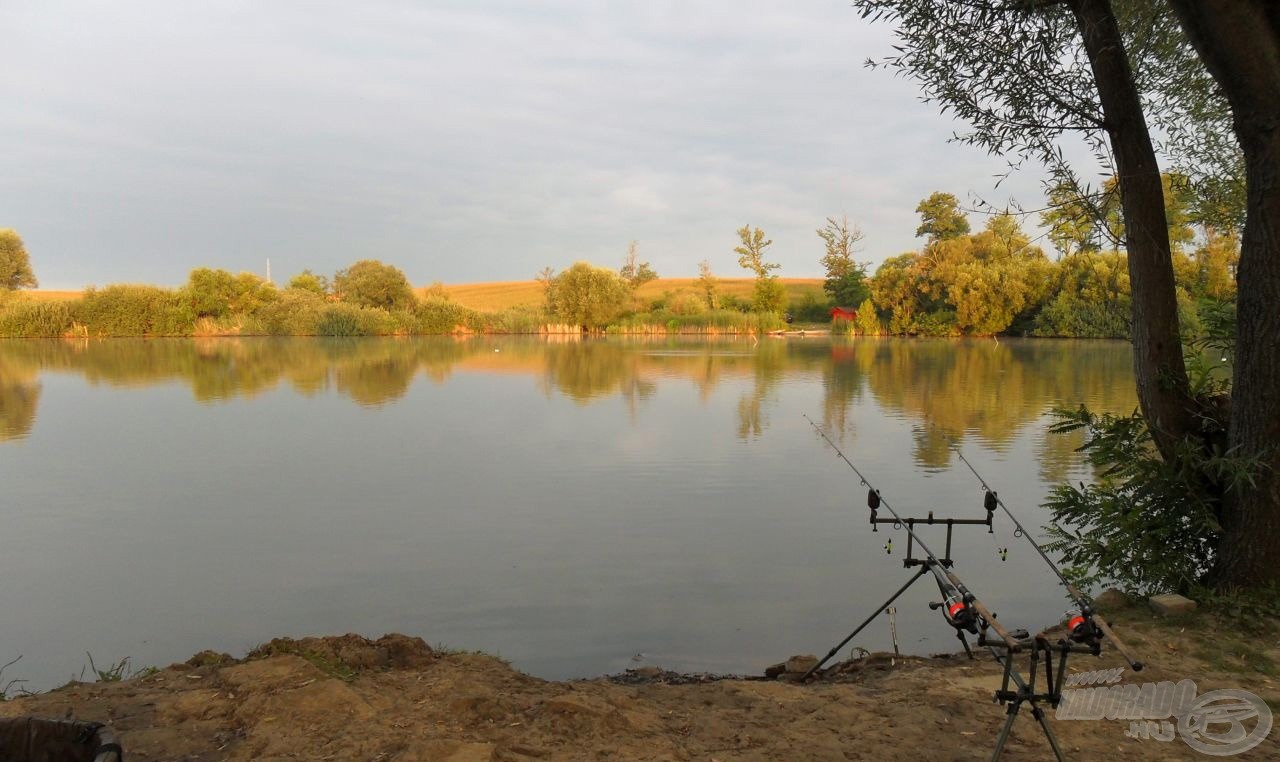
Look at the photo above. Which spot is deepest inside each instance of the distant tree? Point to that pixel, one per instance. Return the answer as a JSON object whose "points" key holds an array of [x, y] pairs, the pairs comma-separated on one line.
{"points": [[309, 281], [251, 292], [897, 288], [370, 283], [15, 265], [846, 278], [588, 296], [635, 272], [436, 291], [768, 295], [1215, 266], [1070, 219], [209, 292], [941, 218], [546, 277], [709, 284]]}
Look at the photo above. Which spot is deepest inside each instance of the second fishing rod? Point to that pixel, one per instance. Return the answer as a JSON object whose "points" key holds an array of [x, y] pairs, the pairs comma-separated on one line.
{"points": [[1086, 625], [960, 607]]}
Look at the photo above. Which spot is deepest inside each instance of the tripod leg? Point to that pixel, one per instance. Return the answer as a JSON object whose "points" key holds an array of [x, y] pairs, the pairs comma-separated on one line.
{"points": [[1039, 714], [920, 573], [1011, 714]]}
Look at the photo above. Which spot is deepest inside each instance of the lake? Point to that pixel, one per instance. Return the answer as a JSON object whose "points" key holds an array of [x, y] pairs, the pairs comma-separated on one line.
{"points": [[576, 506]]}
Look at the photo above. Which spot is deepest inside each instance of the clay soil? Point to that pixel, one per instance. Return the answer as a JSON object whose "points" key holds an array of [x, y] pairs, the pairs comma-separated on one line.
{"points": [[348, 698]]}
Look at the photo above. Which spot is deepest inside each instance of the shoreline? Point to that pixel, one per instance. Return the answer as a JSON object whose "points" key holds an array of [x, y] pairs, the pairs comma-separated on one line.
{"points": [[396, 698]]}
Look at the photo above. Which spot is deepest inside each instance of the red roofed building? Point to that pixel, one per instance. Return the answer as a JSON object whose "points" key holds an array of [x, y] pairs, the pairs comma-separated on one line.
{"points": [[843, 313]]}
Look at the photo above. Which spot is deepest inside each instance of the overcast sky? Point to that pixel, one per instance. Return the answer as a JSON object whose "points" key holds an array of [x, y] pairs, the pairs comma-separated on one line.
{"points": [[461, 141]]}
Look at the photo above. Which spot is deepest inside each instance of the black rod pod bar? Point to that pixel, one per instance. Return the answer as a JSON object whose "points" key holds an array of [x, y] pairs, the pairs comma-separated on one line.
{"points": [[971, 613]]}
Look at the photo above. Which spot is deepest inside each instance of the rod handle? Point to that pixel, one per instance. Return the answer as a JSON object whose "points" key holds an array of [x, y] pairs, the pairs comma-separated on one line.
{"points": [[1012, 645], [1109, 634]]}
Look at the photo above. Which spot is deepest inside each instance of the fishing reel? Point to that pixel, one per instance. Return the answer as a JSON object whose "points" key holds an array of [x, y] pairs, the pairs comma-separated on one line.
{"points": [[1081, 628], [956, 610]]}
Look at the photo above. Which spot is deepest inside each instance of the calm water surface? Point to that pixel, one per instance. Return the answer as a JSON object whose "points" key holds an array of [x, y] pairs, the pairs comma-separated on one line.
{"points": [[577, 507]]}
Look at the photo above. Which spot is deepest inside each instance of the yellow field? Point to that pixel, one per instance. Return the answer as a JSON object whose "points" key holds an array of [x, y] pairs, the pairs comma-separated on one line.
{"points": [[491, 297], [499, 295], [52, 296]]}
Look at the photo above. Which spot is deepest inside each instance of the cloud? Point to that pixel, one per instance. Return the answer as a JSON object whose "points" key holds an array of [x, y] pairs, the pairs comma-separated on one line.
{"points": [[459, 140]]}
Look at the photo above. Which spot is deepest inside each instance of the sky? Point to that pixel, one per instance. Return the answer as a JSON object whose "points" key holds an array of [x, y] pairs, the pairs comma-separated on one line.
{"points": [[476, 140]]}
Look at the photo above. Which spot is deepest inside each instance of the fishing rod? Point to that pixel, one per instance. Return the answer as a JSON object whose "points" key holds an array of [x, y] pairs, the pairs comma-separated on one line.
{"points": [[1085, 625], [960, 607]]}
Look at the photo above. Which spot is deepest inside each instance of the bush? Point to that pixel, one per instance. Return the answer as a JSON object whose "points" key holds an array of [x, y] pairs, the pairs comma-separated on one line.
{"points": [[810, 309], [341, 320], [868, 321], [686, 304], [295, 313], [209, 292], [1149, 525], [370, 283], [437, 316], [937, 323], [519, 320], [20, 318], [589, 296], [123, 310]]}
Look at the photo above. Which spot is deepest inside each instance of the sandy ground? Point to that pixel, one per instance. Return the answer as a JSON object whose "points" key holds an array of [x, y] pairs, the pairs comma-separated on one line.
{"points": [[348, 698]]}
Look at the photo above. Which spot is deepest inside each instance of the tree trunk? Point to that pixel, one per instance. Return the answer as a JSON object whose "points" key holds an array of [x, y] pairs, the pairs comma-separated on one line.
{"points": [[1163, 389], [1239, 42]]}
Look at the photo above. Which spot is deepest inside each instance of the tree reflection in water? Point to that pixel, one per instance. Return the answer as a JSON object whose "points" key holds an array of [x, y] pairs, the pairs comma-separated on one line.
{"points": [[948, 390]]}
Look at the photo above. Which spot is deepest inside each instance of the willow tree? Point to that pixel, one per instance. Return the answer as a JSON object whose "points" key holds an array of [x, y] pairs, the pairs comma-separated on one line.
{"points": [[1239, 42], [15, 265], [1031, 76]]}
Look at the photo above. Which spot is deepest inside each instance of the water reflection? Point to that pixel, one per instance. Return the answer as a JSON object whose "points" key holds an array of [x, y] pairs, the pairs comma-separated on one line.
{"points": [[19, 394], [949, 390]]}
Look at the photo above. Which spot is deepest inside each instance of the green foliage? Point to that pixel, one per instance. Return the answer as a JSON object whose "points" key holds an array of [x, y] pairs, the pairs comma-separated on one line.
{"points": [[251, 293], [209, 292], [15, 264], [686, 304], [751, 252], [1070, 220], [29, 319], [980, 284], [295, 313], [846, 278], [868, 321], [370, 283], [709, 285], [768, 295], [112, 673], [350, 320], [441, 316], [1257, 612], [588, 296], [635, 272], [1149, 524], [309, 281], [941, 218], [810, 309], [1091, 298], [124, 310], [714, 321]]}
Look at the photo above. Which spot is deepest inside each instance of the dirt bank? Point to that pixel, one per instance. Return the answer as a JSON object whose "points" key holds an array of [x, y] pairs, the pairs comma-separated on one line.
{"points": [[348, 698]]}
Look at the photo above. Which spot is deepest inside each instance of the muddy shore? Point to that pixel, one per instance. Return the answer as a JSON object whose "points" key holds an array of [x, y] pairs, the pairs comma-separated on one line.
{"points": [[348, 698]]}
